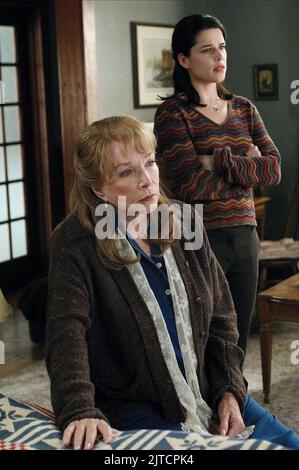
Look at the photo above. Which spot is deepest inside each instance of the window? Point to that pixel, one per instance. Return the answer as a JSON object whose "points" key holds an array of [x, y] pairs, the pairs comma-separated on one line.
{"points": [[13, 213]]}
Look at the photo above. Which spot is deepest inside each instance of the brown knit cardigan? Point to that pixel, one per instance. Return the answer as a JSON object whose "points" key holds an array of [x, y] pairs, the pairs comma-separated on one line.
{"points": [[102, 350]]}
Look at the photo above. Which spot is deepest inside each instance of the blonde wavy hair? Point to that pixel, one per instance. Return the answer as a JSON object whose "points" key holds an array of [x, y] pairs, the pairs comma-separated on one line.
{"points": [[92, 165]]}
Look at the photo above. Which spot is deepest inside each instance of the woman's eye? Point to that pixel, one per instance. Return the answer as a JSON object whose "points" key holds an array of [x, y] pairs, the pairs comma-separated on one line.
{"points": [[126, 172], [151, 162], [212, 50]]}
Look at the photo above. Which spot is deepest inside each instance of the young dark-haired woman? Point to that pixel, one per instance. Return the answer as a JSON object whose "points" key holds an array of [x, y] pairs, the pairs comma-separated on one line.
{"points": [[213, 148]]}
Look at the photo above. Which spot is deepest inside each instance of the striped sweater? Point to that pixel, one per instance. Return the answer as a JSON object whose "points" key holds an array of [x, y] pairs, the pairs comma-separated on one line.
{"points": [[183, 134]]}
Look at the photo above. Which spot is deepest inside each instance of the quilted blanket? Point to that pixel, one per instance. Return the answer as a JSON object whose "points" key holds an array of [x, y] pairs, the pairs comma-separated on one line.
{"points": [[25, 426]]}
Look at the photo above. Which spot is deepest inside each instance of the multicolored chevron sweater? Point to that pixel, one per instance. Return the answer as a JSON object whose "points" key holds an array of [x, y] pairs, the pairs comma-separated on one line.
{"points": [[183, 134]]}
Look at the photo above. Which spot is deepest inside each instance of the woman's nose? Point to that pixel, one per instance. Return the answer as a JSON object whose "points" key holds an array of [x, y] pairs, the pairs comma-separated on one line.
{"points": [[219, 54], [144, 180]]}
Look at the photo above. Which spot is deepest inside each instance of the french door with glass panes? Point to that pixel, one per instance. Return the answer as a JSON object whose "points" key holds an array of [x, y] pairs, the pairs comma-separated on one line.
{"points": [[19, 251]]}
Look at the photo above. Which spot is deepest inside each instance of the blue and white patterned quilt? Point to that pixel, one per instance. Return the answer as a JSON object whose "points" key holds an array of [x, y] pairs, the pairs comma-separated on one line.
{"points": [[25, 426]]}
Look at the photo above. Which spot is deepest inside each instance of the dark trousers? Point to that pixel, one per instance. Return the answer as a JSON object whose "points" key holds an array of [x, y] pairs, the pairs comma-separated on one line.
{"points": [[267, 427], [236, 249]]}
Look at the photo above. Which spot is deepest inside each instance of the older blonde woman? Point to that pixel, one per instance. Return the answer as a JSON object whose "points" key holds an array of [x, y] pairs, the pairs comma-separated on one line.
{"points": [[141, 331]]}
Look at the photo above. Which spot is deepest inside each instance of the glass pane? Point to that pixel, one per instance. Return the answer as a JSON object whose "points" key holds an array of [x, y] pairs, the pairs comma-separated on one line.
{"points": [[4, 245], [2, 166], [3, 204], [7, 44], [16, 200], [9, 79], [1, 126], [14, 162], [11, 123], [18, 238]]}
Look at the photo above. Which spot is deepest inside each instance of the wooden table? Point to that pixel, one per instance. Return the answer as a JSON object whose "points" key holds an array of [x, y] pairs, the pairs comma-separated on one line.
{"points": [[260, 204], [279, 303]]}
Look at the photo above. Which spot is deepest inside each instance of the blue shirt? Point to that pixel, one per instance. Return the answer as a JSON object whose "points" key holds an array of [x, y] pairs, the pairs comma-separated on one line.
{"points": [[155, 271]]}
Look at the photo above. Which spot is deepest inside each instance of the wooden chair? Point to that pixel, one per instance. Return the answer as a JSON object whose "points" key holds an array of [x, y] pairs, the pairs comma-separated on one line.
{"points": [[282, 254], [279, 303]]}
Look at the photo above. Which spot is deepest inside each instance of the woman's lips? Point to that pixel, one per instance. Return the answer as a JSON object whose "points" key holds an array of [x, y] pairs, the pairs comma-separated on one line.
{"points": [[148, 198], [219, 69]]}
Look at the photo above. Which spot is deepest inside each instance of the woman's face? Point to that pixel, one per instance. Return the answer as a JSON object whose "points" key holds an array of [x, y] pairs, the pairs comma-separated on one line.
{"points": [[135, 176], [207, 60]]}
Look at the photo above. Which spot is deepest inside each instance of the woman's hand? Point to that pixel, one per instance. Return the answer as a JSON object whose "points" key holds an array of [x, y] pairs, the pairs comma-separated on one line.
{"points": [[253, 151], [207, 162], [82, 434], [230, 418]]}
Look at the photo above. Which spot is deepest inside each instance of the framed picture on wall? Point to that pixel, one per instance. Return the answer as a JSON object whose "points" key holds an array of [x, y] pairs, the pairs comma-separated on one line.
{"points": [[266, 82], [152, 63]]}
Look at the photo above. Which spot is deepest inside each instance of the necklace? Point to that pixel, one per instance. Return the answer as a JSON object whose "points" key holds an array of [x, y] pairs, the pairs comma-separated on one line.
{"points": [[215, 107]]}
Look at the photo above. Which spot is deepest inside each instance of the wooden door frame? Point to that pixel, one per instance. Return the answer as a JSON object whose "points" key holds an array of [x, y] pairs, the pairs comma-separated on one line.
{"points": [[90, 61], [40, 127], [77, 75]]}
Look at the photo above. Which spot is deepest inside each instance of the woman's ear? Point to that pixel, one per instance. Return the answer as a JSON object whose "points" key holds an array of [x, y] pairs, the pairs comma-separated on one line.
{"points": [[98, 193], [183, 60]]}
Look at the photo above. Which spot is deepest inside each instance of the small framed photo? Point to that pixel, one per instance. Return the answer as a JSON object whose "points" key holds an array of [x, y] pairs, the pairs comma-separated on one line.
{"points": [[152, 63], [266, 82]]}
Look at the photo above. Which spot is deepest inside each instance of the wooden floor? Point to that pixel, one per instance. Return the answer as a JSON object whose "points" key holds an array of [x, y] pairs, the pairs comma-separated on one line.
{"points": [[20, 352]]}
